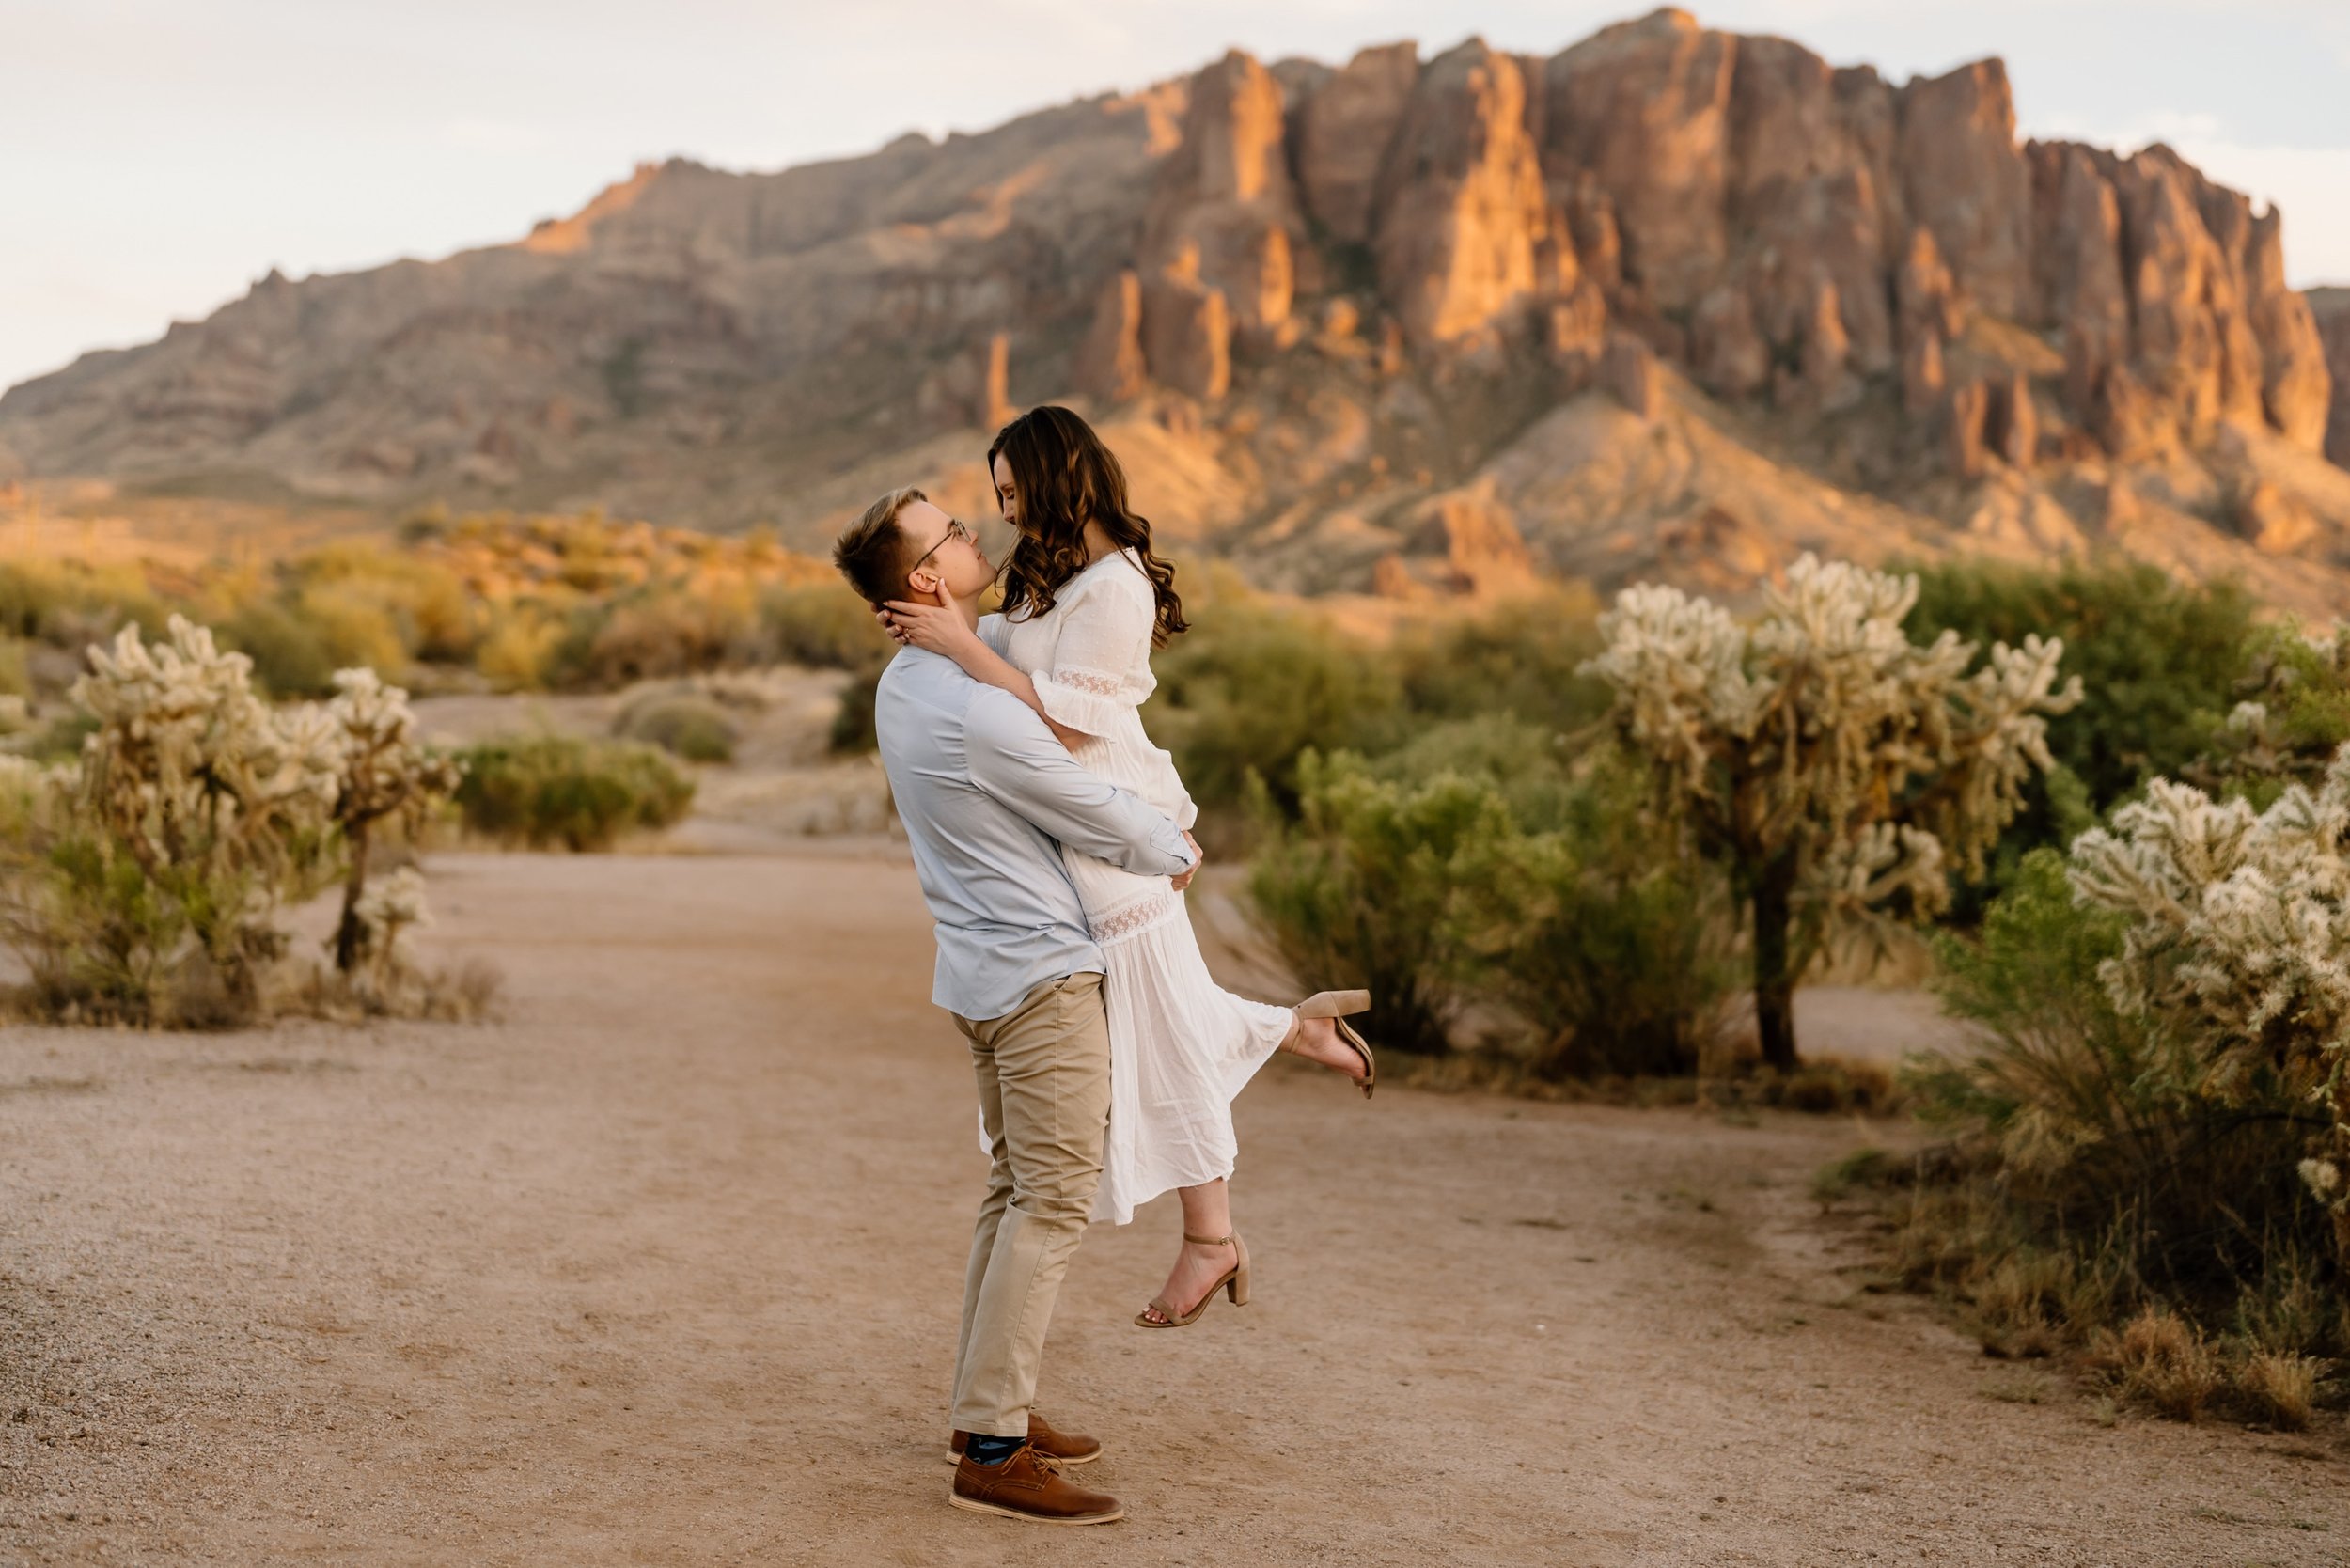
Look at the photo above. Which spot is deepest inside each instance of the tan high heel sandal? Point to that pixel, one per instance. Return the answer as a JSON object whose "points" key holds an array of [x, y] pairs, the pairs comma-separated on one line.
{"points": [[1234, 1283], [1335, 1006]]}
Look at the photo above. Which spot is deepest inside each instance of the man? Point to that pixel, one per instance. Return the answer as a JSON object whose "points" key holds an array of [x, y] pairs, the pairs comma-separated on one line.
{"points": [[984, 790]]}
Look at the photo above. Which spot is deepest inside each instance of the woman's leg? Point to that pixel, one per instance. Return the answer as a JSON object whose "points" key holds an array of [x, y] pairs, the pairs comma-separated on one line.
{"points": [[1207, 1212]]}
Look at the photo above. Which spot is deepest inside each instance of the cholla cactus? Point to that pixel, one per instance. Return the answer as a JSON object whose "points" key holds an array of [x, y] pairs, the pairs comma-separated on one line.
{"points": [[1833, 762], [383, 774], [2294, 715], [393, 905], [204, 783], [2239, 940]]}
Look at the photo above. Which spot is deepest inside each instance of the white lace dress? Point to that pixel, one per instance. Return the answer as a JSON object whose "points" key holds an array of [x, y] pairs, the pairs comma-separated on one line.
{"points": [[1181, 1046]]}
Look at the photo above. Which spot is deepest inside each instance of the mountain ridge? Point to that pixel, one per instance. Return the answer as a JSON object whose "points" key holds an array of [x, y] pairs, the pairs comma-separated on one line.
{"points": [[1671, 302]]}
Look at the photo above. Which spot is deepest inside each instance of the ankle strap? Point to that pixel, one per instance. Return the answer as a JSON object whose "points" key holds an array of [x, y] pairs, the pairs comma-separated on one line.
{"points": [[1208, 1240]]}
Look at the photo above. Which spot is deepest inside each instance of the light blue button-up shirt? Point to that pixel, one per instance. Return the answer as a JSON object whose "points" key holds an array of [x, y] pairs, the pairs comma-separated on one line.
{"points": [[984, 790]]}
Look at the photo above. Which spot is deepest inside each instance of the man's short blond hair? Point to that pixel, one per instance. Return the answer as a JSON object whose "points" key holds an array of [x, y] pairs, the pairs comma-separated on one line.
{"points": [[871, 551]]}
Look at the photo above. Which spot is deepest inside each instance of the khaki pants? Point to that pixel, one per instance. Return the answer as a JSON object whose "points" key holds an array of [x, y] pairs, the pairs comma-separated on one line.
{"points": [[1045, 1097]]}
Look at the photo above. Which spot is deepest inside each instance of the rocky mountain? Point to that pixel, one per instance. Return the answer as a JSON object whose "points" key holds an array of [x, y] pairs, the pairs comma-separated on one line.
{"points": [[1672, 301]]}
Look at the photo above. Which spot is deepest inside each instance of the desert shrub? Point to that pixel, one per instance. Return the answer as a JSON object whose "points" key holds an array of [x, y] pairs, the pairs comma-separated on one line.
{"points": [[2158, 659], [2292, 715], [823, 624], [1835, 768], [2100, 1124], [694, 728], [2281, 1390], [357, 628], [1610, 939], [853, 731], [432, 615], [142, 882], [2236, 938], [1524, 762], [1251, 688], [290, 657], [16, 676], [518, 650], [67, 604], [545, 790], [653, 635], [2125, 1164], [1362, 887], [385, 779], [1524, 658], [2163, 1359]]}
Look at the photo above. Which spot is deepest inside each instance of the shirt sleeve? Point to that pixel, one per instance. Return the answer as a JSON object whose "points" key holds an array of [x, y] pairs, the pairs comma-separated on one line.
{"points": [[1015, 761], [1104, 641], [996, 631]]}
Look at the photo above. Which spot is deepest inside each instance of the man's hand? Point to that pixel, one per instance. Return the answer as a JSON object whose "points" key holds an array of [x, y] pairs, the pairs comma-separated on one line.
{"points": [[1199, 857]]}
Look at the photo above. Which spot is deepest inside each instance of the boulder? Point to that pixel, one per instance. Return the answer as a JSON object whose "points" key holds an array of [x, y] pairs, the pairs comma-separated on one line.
{"points": [[1969, 412], [2329, 309], [2295, 383], [1922, 374], [1461, 209], [1186, 332], [2077, 254], [1644, 108], [1225, 193], [1804, 201], [1631, 375], [1728, 356], [1110, 362], [2277, 523], [1965, 178], [1343, 132]]}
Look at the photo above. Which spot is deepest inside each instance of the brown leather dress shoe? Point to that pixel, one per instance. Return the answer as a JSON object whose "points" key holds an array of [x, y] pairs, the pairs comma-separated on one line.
{"points": [[1070, 1448], [1027, 1485]]}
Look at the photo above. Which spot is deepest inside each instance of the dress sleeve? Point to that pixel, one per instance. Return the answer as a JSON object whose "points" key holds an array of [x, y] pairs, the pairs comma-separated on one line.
{"points": [[1099, 664]]}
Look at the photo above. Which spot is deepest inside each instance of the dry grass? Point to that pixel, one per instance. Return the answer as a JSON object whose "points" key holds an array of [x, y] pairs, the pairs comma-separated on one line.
{"points": [[2280, 1389], [2162, 1360], [463, 991]]}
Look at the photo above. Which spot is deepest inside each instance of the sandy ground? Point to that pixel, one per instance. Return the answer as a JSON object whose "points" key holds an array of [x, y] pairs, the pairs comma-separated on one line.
{"points": [[663, 1269]]}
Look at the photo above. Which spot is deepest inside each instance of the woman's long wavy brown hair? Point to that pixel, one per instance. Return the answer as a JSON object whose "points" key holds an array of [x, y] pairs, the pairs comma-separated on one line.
{"points": [[1063, 477]]}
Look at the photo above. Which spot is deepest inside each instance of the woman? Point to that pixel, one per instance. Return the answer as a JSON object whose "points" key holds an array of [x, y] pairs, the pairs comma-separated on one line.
{"points": [[1084, 601]]}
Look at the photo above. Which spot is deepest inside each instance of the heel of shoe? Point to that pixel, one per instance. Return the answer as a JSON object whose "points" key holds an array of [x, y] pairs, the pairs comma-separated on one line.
{"points": [[1334, 1004], [1236, 1289]]}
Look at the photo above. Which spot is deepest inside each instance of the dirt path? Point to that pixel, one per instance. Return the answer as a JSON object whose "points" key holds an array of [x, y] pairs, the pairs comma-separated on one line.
{"points": [[663, 1270]]}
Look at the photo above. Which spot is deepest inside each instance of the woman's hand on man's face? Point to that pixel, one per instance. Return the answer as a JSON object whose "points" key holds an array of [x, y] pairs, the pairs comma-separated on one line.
{"points": [[939, 628]]}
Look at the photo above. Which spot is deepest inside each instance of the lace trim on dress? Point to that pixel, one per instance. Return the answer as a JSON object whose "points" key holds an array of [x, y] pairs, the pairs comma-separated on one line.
{"points": [[1132, 918], [1091, 680]]}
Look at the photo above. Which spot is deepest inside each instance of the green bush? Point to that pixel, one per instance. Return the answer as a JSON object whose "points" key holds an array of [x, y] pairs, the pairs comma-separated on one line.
{"points": [[290, 657], [823, 624], [2159, 662], [688, 727], [1611, 939], [1522, 658], [853, 731], [2293, 714], [545, 790], [2159, 659], [2090, 1176], [1362, 890], [1251, 688]]}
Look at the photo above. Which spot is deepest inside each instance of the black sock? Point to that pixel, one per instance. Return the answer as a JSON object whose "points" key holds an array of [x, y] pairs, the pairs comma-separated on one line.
{"points": [[985, 1450]]}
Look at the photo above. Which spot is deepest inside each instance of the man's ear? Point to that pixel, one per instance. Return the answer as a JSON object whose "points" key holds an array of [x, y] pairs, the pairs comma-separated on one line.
{"points": [[923, 580]]}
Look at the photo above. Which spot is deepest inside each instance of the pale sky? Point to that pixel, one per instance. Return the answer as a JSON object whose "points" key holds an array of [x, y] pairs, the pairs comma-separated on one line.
{"points": [[156, 157]]}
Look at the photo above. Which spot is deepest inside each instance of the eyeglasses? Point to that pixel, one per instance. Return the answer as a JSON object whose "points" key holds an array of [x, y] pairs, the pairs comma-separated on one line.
{"points": [[954, 530]]}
